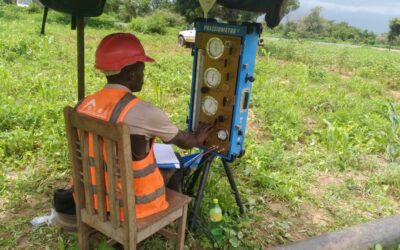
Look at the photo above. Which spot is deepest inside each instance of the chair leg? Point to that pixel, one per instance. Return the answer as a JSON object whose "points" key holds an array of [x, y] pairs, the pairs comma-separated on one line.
{"points": [[131, 247], [180, 240], [131, 243], [83, 236]]}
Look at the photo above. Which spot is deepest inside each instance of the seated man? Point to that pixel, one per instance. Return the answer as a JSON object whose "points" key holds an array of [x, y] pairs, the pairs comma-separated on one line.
{"points": [[121, 58]]}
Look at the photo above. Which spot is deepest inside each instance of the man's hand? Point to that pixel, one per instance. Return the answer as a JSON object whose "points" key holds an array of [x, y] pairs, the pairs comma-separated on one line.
{"points": [[202, 132], [187, 140]]}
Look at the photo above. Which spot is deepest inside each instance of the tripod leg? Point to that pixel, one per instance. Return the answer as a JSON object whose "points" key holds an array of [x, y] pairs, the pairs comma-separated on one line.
{"points": [[196, 174], [233, 185], [200, 193]]}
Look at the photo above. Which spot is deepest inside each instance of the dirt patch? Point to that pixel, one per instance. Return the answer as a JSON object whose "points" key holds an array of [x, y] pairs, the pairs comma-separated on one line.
{"points": [[255, 127], [35, 201], [309, 222], [315, 215], [343, 74], [284, 224], [5, 216], [12, 175], [358, 176], [280, 62], [310, 122], [395, 94], [324, 180], [277, 207], [23, 242]]}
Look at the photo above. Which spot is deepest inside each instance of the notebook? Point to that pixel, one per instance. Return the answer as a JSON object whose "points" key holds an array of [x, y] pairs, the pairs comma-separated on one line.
{"points": [[165, 156]]}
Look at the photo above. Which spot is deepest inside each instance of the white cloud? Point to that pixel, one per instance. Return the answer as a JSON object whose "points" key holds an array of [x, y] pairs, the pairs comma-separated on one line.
{"points": [[389, 8]]}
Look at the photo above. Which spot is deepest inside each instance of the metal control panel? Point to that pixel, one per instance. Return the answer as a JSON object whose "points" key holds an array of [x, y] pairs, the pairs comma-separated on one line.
{"points": [[223, 68]]}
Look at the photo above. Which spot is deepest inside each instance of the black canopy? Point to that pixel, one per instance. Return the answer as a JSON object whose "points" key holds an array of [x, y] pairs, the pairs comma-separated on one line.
{"points": [[274, 9]]}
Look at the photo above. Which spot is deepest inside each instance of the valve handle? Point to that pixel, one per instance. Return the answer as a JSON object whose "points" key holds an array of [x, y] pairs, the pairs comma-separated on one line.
{"points": [[250, 78]]}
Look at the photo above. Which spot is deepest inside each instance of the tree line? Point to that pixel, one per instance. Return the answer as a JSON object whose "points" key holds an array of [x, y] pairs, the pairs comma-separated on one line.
{"points": [[314, 26]]}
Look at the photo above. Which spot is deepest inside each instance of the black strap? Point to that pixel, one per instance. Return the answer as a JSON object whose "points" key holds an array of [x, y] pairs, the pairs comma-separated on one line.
{"points": [[127, 98]]}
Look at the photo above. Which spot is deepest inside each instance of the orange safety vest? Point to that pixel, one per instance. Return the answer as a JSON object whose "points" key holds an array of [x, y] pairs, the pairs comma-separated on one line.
{"points": [[112, 105]]}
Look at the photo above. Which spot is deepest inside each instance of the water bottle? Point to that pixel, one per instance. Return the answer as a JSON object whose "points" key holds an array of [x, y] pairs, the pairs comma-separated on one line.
{"points": [[42, 220], [216, 218], [216, 212]]}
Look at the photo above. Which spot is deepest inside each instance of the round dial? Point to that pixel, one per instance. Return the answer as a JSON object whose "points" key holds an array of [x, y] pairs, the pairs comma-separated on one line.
{"points": [[215, 48], [210, 105], [222, 134], [212, 77]]}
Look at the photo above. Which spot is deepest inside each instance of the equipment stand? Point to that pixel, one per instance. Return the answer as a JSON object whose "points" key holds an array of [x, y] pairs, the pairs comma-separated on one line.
{"points": [[204, 167]]}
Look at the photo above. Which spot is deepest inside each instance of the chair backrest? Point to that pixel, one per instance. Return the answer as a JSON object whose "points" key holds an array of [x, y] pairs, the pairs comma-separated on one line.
{"points": [[110, 142]]}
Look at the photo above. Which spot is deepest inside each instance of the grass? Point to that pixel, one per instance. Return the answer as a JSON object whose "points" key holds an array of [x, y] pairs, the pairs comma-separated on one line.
{"points": [[322, 145]]}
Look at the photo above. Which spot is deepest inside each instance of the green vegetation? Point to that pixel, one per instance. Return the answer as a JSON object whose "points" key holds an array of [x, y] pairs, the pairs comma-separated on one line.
{"points": [[322, 143], [394, 33], [157, 22], [314, 26]]}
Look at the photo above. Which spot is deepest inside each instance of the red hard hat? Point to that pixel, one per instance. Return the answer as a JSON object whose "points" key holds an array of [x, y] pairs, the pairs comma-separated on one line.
{"points": [[118, 50]]}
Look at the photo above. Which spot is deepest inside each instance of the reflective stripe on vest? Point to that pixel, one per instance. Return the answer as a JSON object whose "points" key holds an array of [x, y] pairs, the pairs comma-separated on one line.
{"points": [[140, 199], [112, 105], [136, 173]]}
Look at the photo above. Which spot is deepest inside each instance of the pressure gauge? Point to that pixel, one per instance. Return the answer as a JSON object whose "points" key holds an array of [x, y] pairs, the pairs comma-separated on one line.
{"points": [[222, 134], [215, 48], [212, 77], [210, 105]]}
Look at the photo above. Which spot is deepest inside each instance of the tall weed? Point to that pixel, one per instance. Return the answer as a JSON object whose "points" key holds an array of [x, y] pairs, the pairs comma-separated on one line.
{"points": [[340, 144]]}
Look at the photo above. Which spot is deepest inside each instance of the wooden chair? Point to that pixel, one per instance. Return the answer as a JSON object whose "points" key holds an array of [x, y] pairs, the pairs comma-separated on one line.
{"points": [[131, 231]]}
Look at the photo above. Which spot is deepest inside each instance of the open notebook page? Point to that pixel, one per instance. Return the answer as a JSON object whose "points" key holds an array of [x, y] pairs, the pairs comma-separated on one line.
{"points": [[165, 155]]}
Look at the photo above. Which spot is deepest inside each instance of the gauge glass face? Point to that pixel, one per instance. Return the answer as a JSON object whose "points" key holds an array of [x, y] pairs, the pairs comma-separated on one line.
{"points": [[210, 105], [222, 135], [212, 77], [215, 48]]}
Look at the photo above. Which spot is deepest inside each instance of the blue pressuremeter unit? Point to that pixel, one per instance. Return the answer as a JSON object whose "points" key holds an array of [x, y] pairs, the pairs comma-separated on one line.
{"points": [[223, 73]]}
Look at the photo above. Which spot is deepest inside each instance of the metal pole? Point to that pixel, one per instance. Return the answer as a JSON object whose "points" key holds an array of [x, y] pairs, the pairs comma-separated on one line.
{"points": [[233, 185], [46, 10], [80, 23], [385, 232]]}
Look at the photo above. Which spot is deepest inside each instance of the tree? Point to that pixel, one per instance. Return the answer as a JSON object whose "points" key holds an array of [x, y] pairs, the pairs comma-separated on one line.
{"points": [[394, 33], [291, 6], [127, 9], [164, 4], [190, 9], [314, 23]]}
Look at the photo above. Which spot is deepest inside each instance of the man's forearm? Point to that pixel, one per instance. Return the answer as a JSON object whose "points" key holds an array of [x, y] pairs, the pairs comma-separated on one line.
{"points": [[185, 140]]}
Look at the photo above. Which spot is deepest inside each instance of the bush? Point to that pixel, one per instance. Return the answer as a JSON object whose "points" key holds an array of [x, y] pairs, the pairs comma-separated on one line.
{"points": [[156, 25], [9, 1], [170, 18], [157, 22], [34, 8], [149, 25]]}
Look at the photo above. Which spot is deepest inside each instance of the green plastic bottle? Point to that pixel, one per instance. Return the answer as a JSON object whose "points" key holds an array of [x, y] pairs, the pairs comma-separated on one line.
{"points": [[216, 218], [216, 212]]}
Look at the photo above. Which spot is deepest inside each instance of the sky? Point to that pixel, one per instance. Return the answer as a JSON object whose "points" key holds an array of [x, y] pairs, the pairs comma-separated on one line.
{"points": [[373, 15]]}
